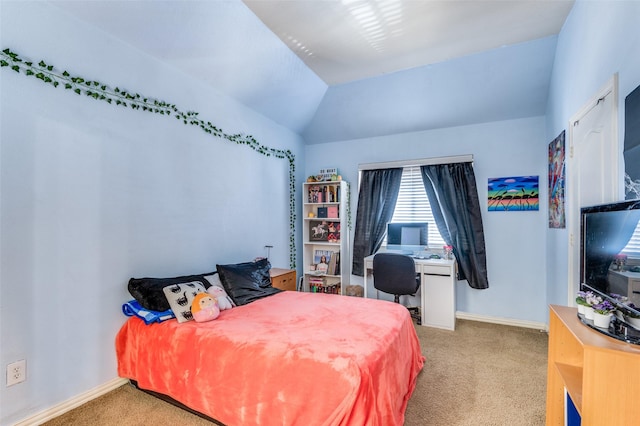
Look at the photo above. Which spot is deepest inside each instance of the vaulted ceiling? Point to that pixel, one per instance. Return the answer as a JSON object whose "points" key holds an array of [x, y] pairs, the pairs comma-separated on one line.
{"points": [[348, 69]]}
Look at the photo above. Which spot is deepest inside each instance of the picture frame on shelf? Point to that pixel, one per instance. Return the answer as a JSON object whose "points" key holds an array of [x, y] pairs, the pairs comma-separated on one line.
{"points": [[321, 260], [334, 232], [318, 230]]}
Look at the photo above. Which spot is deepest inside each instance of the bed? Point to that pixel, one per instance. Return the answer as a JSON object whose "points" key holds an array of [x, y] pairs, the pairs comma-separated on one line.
{"points": [[290, 358]]}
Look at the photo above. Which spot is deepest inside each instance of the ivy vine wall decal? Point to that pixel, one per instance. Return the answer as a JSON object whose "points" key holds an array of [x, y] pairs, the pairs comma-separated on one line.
{"points": [[118, 97]]}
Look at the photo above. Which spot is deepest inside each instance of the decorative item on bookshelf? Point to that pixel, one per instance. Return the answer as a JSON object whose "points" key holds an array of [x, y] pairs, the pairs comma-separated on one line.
{"points": [[326, 262], [327, 174], [318, 230], [332, 212], [334, 232], [322, 212]]}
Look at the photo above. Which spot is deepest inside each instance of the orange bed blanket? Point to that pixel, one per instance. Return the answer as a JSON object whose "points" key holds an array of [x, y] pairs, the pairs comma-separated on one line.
{"points": [[288, 359]]}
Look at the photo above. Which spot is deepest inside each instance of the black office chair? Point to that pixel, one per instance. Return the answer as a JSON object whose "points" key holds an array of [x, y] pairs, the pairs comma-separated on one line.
{"points": [[395, 274]]}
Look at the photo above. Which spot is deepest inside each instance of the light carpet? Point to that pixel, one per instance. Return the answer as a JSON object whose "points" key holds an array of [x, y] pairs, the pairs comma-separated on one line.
{"points": [[481, 374]]}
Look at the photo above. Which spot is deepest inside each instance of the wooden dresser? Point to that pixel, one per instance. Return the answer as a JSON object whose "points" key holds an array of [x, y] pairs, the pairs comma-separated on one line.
{"points": [[601, 374], [284, 279]]}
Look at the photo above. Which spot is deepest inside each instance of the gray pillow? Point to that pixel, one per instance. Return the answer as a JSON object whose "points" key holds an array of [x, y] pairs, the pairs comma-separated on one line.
{"points": [[247, 282]]}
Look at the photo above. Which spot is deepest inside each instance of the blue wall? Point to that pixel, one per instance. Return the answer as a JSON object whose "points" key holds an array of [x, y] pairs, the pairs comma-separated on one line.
{"points": [[599, 39], [515, 241], [92, 195]]}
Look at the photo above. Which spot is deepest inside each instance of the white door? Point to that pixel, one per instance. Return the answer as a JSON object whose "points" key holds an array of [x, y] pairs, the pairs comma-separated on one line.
{"points": [[592, 167]]}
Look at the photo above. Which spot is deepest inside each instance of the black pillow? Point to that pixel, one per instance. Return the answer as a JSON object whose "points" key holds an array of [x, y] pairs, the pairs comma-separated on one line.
{"points": [[247, 282], [148, 291]]}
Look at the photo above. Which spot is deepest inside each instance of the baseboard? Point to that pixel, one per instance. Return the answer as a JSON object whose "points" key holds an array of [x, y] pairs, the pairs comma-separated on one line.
{"points": [[70, 404], [504, 321]]}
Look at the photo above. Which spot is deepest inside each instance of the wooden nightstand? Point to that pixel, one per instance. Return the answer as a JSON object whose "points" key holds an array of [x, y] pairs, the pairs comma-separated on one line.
{"points": [[284, 279]]}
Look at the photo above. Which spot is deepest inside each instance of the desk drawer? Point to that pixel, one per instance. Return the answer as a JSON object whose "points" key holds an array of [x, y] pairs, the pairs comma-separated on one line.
{"points": [[436, 270]]}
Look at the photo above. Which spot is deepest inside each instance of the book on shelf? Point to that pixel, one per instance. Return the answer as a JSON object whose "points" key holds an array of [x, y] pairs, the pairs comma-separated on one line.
{"points": [[321, 260], [326, 262], [320, 284]]}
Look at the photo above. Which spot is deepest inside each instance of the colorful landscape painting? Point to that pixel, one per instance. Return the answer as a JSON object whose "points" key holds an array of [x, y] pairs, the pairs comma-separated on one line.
{"points": [[519, 193]]}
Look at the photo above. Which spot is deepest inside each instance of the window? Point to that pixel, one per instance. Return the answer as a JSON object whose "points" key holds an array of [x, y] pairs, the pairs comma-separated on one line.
{"points": [[413, 204]]}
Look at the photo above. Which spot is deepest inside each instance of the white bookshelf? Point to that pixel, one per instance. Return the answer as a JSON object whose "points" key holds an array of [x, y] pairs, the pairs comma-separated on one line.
{"points": [[325, 235]]}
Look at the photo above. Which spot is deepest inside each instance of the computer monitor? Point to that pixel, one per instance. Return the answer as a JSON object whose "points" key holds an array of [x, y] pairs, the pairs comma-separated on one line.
{"points": [[407, 236]]}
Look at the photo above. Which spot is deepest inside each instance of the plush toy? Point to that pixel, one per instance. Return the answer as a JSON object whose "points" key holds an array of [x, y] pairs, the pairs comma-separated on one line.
{"points": [[224, 301], [204, 307]]}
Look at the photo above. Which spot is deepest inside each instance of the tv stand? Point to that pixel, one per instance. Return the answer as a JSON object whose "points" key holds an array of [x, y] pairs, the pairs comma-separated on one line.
{"points": [[600, 374]]}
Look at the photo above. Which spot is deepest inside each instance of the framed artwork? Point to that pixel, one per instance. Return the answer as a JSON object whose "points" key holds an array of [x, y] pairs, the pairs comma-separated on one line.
{"points": [[518, 193], [318, 230], [322, 230], [557, 217]]}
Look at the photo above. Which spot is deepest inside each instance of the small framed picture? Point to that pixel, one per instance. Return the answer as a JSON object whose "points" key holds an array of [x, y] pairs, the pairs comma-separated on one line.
{"points": [[318, 230]]}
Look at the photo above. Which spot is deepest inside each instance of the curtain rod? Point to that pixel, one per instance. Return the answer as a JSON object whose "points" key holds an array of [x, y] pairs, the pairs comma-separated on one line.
{"points": [[420, 162]]}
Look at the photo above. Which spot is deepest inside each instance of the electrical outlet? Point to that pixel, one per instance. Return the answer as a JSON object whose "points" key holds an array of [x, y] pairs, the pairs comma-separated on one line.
{"points": [[16, 372]]}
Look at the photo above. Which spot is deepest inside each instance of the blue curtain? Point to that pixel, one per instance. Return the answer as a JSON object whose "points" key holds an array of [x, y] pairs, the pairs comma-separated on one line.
{"points": [[376, 202], [453, 196]]}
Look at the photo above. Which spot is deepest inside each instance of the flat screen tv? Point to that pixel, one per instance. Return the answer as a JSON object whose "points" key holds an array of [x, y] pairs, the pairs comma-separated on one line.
{"points": [[610, 264], [606, 230], [407, 235]]}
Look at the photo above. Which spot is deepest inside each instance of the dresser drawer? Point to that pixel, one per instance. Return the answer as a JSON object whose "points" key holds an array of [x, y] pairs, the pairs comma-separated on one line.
{"points": [[284, 279]]}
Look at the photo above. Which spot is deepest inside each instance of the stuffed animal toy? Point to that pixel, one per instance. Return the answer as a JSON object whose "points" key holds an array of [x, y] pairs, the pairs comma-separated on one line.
{"points": [[224, 301], [204, 307]]}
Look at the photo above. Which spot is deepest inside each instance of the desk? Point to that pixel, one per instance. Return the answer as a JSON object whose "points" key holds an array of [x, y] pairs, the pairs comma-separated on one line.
{"points": [[626, 283], [437, 289]]}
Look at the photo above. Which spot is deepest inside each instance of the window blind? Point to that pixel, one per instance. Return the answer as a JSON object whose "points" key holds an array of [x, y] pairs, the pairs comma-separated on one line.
{"points": [[413, 204]]}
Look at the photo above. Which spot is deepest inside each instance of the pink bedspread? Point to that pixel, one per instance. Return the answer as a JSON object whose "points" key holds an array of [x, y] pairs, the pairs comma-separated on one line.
{"points": [[288, 359]]}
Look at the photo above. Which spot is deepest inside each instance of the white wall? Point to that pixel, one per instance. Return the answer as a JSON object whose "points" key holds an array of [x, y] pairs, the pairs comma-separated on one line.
{"points": [[599, 39], [514, 240], [92, 195]]}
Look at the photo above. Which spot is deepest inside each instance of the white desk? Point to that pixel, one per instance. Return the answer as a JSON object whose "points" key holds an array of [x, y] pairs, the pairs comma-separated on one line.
{"points": [[438, 285]]}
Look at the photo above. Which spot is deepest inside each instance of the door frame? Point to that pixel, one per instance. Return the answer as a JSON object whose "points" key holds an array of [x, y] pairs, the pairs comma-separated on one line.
{"points": [[610, 88]]}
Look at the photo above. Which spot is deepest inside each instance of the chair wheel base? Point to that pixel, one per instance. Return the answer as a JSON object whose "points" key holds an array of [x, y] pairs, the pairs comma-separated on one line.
{"points": [[415, 314]]}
